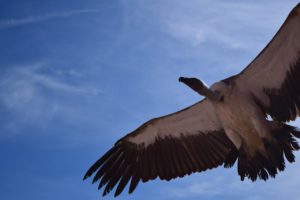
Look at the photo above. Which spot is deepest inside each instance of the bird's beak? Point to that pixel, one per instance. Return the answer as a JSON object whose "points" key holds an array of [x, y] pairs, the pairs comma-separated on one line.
{"points": [[182, 79], [200, 87]]}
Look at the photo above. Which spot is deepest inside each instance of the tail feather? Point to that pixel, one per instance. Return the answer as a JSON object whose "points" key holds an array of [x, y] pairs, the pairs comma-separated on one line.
{"points": [[231, 158], [268, 164]]}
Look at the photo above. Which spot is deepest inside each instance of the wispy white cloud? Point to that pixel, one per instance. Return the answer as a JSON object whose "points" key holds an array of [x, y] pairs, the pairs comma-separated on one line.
{"points": [[13, 22], [223, 23], [31, 73], [31, 95]]}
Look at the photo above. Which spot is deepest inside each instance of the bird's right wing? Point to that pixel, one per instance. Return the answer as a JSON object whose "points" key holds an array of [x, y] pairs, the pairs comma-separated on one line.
{"points": [[191, 140], [273, 77]]}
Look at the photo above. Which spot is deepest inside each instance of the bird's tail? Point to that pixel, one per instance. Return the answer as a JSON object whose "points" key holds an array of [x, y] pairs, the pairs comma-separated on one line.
{"points": [[268, 164]]}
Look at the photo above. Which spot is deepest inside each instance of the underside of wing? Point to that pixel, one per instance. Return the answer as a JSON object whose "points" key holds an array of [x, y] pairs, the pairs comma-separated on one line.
{"points": [[273, 77], [191, 140]]}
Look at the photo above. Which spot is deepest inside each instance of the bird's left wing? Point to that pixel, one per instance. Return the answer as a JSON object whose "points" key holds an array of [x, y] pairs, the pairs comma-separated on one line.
{"points": [[273, 77], [191, 140]]}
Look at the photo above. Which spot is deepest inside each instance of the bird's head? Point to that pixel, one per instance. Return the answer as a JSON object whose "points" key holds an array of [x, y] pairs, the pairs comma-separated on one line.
{"points": [[196, 84], [215, 93]]}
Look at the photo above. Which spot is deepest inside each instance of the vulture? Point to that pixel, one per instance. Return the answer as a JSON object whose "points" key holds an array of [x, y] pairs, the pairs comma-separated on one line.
{"points": [[242, 119]]}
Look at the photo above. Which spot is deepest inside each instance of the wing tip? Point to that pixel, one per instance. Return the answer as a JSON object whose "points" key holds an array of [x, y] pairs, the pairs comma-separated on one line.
{"points": [[90, 172], [295, 11], [296, 7], [87, 175]]}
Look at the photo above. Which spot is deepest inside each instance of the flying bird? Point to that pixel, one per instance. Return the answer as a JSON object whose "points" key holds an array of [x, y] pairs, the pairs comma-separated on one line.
{"points": [[241, 119]]}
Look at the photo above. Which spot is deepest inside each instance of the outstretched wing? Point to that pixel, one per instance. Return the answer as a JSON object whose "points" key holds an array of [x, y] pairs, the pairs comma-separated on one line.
{"points": [[191, 140], [273, 77]]}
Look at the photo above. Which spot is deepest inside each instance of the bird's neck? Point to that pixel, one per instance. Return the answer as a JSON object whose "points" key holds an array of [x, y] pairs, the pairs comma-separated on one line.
{"points": [[208, 93]]}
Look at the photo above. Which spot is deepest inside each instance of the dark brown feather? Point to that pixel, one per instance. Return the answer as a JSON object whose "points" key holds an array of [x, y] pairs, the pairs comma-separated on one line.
{"points": [[123, 182], [166, 158], [285, 102], [99, 162], [106, 166]]}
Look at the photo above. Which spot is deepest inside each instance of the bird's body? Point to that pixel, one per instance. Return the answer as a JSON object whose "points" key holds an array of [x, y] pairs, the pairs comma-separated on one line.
{"points": [[242, 120]]}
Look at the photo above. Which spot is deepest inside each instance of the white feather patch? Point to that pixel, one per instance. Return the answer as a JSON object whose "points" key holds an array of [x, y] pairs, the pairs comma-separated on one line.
{"points": [[269, 69], [200, 117]]}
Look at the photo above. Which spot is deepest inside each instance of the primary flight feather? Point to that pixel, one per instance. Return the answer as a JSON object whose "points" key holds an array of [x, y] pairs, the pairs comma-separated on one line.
{"points": [[230, 125]]}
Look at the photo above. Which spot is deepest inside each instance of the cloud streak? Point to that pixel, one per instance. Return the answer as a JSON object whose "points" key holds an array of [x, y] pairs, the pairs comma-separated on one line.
{"points": [[32, 93], [225, 29], [52, 83], [9, 23]]}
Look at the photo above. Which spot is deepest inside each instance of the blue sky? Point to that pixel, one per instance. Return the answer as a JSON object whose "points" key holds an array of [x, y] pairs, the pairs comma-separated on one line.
{"points": [[78, 75]]}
